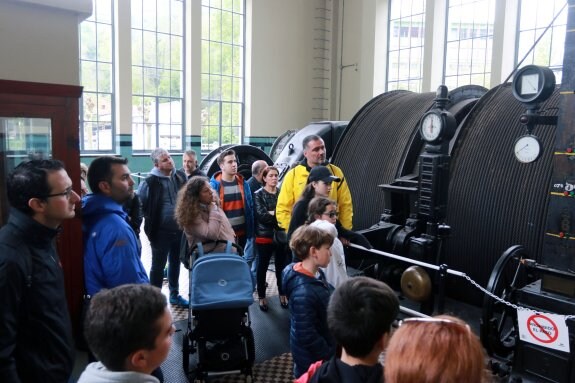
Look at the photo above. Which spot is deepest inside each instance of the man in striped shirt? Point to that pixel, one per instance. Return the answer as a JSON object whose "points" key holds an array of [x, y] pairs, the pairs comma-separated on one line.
{"points": [[236, 198]]}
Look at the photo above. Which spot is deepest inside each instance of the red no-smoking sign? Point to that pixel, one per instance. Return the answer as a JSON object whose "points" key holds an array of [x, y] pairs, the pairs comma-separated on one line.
{"points": [[543, 329]]}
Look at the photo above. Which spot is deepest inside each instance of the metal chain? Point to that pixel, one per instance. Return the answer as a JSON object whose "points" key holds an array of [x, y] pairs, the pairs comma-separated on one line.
{"points": [[501, 300]]}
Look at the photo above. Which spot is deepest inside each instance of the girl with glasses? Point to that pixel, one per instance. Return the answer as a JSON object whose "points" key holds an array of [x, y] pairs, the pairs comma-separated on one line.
{"points": [[320, 182], [322, 213]]}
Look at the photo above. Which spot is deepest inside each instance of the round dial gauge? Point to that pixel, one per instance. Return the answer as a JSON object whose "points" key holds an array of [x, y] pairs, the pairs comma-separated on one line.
{"points": [[431, 127], [533, 84], [527, 148]]}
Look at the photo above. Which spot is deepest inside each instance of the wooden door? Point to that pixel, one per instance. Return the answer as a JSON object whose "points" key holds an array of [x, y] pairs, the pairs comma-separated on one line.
{"points": [[39, 119]]}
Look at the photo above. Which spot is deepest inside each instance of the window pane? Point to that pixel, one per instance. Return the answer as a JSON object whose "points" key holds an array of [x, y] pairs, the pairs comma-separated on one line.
{"points": [[227, 27], [137, 47], [157, 116], [96, 75], [105, 77], [176, 54], [406, 35], [469, 39], [534, 17], [163, 53], [215, 87], [89, 76], [177, 21], [163, 18], [105, 43], [149, 14], [215, 24], [222, 70], [88, 40]]}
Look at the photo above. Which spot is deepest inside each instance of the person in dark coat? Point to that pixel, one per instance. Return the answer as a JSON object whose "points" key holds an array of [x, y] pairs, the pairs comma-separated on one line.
{"points": [[158, 194], [359, 316], [35, 331], [308, 295], [266, 225]]}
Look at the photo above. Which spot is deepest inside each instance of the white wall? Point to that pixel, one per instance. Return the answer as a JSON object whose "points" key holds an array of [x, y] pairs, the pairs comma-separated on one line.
{"points": [[281, 66], [39, 43], [359, 62]]}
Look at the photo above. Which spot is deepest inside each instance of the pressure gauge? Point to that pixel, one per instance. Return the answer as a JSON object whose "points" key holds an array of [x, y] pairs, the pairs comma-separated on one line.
{"points": [[437, 126], [533, 84], [527, 148], [431, 126]]}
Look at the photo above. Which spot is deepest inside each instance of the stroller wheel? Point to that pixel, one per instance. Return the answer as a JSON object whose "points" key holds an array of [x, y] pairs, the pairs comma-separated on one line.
{"points": [[250, 343]]}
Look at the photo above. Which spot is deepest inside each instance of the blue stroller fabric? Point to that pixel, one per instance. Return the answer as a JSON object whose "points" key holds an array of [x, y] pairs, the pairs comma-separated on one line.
{"points": [[220, 280]]}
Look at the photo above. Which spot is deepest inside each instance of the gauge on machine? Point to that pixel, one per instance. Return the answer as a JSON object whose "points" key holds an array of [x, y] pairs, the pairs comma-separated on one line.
{"points": [[431, 126], [527, 148], [533, 84]]}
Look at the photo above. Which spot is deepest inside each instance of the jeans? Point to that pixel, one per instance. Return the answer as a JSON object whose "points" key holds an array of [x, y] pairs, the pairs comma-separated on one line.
{"points": [[265, 252], [250, 254], [166, 247]]}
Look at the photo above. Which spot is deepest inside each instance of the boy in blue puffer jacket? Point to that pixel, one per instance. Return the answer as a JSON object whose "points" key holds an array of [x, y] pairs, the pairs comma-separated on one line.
{"points": [[308, 293]]}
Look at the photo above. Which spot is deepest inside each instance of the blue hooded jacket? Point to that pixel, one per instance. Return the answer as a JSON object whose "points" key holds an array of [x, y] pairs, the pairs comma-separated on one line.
{"points": [[111, 252], [310, 339]]}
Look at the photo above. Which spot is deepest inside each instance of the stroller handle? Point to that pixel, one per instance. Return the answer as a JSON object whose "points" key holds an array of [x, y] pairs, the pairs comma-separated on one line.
{"points": [[238, 248]]}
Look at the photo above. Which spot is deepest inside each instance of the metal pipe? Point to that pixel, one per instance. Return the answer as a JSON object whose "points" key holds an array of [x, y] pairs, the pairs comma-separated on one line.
{"points": [[409, 260]]}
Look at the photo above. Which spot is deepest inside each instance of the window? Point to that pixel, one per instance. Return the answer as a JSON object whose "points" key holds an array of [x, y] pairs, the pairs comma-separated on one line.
{"points": [[406, 33], [157, 74], [223, 44], [535, 16], [97, 77], [469, 43]]}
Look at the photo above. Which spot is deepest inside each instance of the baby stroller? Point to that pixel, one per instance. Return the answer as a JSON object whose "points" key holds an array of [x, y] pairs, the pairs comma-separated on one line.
{"points": [[221, 291]]}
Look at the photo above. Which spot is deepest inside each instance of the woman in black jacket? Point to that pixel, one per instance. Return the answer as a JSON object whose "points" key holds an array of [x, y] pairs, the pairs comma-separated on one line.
{"points": [[266, 224]]}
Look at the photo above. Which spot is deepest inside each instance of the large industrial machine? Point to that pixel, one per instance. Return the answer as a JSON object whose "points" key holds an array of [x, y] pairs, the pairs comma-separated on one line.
{"points": [[467, 195]]}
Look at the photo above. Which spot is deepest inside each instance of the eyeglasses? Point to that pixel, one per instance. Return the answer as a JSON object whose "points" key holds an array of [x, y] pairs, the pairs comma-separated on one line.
{"points": [[68, 192], [332, 214], [434, 320]]}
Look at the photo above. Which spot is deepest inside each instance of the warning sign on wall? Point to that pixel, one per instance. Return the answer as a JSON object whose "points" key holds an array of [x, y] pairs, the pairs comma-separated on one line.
{"points": [[547, 330]]}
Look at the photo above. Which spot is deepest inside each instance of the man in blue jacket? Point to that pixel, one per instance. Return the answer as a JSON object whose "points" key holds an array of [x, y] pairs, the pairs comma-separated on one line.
{"points": [[111, 251]]}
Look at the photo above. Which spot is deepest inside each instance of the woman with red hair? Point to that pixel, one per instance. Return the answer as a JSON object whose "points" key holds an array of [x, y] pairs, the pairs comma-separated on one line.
{"points": [[430, 350]]}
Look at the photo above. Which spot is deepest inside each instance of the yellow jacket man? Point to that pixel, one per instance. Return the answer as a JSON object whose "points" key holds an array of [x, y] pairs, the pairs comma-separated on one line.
{"points": [[296, 179]]}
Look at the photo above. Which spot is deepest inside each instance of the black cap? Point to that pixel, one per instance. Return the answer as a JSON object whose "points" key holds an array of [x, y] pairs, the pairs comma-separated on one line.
{"points": [[321, 173]]}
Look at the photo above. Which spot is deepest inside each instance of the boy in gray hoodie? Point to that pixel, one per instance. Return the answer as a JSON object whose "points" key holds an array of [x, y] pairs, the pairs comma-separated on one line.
{"points": [[129, 329]]}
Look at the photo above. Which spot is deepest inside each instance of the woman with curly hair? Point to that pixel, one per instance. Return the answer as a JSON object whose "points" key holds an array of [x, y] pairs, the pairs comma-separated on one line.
{"points": [[199, 215]]}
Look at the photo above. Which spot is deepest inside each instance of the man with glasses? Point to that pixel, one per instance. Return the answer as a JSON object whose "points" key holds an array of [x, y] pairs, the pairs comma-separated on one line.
{"points": [[296, 179], [35, 330], [111, 251]]}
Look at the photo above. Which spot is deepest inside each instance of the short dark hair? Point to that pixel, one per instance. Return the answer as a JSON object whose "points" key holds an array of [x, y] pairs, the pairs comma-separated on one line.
{"points": [[123, 320], [101, 170], [360, 311], [308, 139], [306, 236], [30, 180], [266, 171], [225, 153]]}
